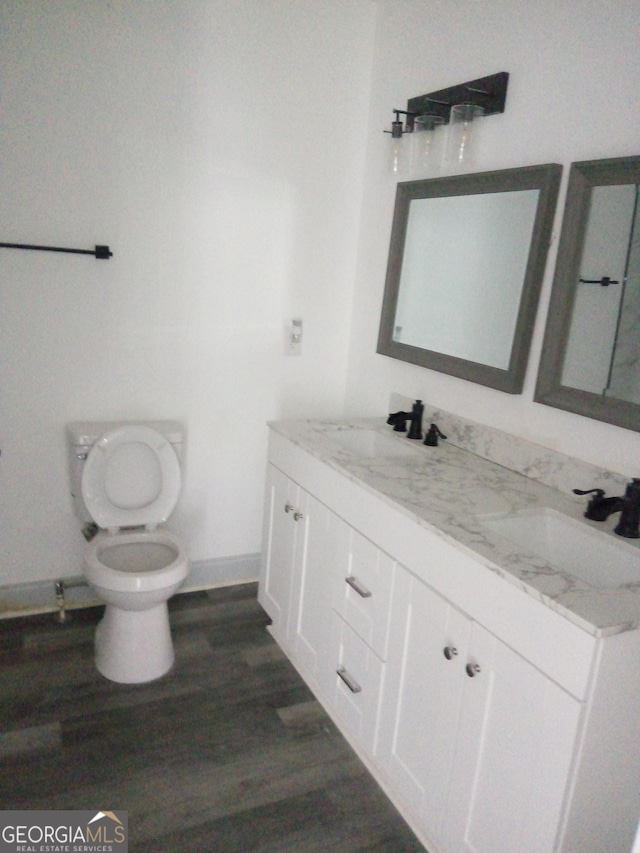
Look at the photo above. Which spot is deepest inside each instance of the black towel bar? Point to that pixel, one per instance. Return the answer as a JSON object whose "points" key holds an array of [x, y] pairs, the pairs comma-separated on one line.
{"points": [[605, 281], [102, 252]]}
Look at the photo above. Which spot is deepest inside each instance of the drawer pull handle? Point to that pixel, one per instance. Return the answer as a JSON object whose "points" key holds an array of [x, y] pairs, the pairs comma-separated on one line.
{"points": [[472, 669], [361, 590], [450, 652], [288, 508], [297, 516], [351, 683]]}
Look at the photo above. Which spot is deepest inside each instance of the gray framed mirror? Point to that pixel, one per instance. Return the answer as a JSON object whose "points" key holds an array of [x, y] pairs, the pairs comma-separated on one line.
{"points": [[590, 360], [466, 262]]}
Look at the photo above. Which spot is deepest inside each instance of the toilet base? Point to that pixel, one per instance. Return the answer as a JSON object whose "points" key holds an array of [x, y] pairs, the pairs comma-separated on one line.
{"points": [[134, 646]]}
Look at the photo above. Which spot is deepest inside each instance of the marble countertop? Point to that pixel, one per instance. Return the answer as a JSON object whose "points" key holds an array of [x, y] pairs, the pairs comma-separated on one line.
{"points": [[453, 491]]}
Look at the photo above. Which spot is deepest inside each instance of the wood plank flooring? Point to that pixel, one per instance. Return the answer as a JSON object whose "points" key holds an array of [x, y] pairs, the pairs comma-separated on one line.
{"points": [[228, 753]]}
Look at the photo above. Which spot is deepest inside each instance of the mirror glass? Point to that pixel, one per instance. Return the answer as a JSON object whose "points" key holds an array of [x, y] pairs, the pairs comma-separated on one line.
{"points": [[591, 354], [465, 266]]}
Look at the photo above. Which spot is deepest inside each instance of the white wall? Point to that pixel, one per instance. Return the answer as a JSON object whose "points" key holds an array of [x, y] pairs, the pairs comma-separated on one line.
{"points": [[220, 148], [573, 95], [216, 146]]}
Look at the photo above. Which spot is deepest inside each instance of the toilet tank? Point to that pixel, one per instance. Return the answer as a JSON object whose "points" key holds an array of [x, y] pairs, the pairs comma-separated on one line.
{"points": [[82, 435]]}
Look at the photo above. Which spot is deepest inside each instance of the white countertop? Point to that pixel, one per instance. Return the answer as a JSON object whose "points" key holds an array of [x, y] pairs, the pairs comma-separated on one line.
{"points": [[449, 489]]}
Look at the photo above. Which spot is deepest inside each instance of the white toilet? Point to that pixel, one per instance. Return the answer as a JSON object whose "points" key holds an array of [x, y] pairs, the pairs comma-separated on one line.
{"points": [[126, 478]]}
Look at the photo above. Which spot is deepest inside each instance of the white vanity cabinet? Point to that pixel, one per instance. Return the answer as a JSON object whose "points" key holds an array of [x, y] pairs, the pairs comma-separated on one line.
{"points": [[468, 725], [327, 590], [515, 745], [494, 723]]}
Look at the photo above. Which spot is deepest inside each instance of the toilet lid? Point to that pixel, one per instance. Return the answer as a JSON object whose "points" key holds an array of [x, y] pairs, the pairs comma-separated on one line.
{"points": [[131, 478]]}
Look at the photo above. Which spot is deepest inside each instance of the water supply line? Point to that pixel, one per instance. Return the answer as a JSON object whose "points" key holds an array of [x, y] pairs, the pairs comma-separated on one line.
{"points": [[60, 587]]}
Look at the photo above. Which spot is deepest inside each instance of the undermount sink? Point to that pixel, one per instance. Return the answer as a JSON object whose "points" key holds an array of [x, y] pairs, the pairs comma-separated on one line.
{"points": [[590, 555], [369, 444]]}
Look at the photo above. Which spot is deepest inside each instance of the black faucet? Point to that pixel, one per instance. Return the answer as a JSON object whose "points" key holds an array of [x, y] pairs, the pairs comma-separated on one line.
{"points": [[600, 508], [399, 420]]}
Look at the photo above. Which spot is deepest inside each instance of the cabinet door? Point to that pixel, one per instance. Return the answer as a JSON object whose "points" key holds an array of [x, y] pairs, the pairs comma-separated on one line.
{"points": [[422, 695], [514, 748], [284, 534], [322, 561]]}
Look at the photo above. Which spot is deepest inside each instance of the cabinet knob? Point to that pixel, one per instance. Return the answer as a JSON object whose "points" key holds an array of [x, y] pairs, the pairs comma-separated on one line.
{"points": [[349, 680], [355, 584], [472, 669], [450, 652], [288, 508], [297, 516]]}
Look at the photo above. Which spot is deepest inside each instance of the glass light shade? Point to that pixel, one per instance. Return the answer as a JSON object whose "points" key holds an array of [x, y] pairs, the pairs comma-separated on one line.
{"points": [[427, 145], [462, 134], [399, 153]]}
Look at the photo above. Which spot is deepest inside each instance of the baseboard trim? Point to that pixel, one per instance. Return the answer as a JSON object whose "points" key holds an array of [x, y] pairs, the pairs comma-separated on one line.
{"points": [[40, 597]]}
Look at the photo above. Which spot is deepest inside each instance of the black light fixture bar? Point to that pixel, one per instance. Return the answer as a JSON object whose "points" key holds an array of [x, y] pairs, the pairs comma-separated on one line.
{"points": [[102, 252], [490, 93]]}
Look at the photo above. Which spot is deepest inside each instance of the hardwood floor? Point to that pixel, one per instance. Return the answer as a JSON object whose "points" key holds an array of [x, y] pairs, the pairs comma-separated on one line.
{"points": [[228, 752]]}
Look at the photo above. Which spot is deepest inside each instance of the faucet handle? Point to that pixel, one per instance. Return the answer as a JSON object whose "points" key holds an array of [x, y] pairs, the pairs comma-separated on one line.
{"points": [[596, 507], [599, 493], [432, 436], [399, 420]]}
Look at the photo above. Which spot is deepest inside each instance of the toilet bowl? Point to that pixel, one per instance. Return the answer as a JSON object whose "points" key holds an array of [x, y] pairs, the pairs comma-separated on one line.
{"points": [[129, 484], [135, 573]]}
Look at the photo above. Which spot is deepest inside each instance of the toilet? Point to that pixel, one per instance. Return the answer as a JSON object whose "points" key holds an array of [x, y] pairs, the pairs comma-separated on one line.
{"points": [[126, 478]]}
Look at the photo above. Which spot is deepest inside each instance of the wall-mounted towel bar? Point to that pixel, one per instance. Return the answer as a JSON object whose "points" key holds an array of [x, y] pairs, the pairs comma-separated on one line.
{"points": [[605, 281], [102, 252]]}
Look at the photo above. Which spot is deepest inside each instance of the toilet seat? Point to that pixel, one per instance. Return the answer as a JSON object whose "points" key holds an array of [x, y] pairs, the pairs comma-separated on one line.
{"points": [[135, 561], [131, 478]]}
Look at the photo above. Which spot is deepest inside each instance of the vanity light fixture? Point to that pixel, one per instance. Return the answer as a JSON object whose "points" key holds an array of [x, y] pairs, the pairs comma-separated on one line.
{"points": [[457, 106]]}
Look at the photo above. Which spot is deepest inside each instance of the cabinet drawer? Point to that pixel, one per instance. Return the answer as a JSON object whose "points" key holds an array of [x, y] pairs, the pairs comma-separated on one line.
{"points": [[357, 683], [363, 593]]}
